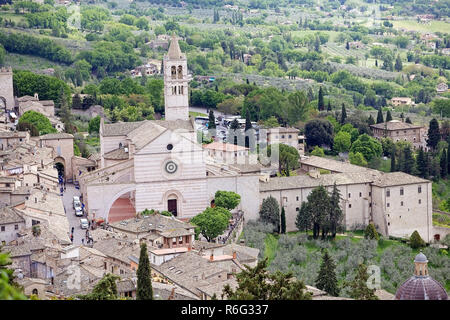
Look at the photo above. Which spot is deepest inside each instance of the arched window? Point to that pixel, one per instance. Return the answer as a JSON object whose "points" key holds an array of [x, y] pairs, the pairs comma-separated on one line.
{"points": [[180, 72], [174, 72], [174, 90], [35, 291]]}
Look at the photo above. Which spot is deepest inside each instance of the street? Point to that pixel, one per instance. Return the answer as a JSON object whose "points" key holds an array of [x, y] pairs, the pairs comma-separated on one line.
{"points": [[74, 221]]}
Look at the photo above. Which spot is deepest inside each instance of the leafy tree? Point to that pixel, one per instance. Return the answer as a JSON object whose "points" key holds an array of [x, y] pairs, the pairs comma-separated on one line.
{"points": [[371, 232], [105, 289], [326, 279], [234, 125], [272, 122], [287, 157], [94, 125], [357, 158], [342, 141], [434, 135], [319, 207], [416, 241], [369, 147], [270, 212], [283, 221], [358, 286], [380, 116], [227, 199], [297, 107], [319, 133], [8, 289], [318, 152], [38, 120], [26, 126], [258, 284], [212, 222], [144, 290], [408, 120]]}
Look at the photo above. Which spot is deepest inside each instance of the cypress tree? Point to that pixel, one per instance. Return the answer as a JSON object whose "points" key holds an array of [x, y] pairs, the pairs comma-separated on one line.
{"points": [[444, 164], [335, 218], [448, 159], [283, 221], [380, 116], [358, 287], [343, 114], [388, 116], [371, 232], [329, 106], [370, 120], [421, 163], [434, 135], [320, 104], [144, 289], [408, 120], [408, 160], [393, 164], [326, 279], [248, 122], [212, 120]]}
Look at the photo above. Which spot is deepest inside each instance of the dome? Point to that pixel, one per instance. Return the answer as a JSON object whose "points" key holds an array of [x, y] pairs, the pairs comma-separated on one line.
{"points": [[421, 288], [421, 258]]}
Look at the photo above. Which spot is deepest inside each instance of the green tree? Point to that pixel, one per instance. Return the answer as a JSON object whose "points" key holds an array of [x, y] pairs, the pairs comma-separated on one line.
{"points": [[369, 147], [39, 121], [319, 133], [212, 222], [398, 64], [393, 164], [342, 141], [227, 199], [8, 289], [421, 163], [258, 284], [318, 152], [270, 212], [358, 286], [343, 114], [434, 135], [335, 214], [144, 290], [380, 116], [234, 125], [416, 241], [357, 158], [105, 289], [94, 125], [388, 116], [370, 120], [370, 232], [320, 103], [283, 221], [319, 208], [297, 107], [272, 122], [408, 160], [326, 279], [303, 221], [287, 157], [212, 120]]}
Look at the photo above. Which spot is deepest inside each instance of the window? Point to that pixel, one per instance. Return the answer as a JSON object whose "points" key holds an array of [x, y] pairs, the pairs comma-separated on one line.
{"points": [[180, 72], [401, 203], [290, 136], [297, 209], [180, 240], [169, 146], [420, 201], [349, 195], [401, 191], [388, 193], [297, 198], [349, 205], [370, 193], [282, 136], [389, 223], [388, 204], [3, 228], [360, 194], [16, 227], [419, 189], [173, 70], [174, 240]]}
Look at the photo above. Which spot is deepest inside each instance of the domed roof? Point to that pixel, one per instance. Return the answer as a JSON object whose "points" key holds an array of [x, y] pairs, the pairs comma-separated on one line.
{"points": [[421, 288], [421, 258]]}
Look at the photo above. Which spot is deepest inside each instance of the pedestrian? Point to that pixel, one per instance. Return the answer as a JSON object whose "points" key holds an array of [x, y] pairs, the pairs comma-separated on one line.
{"points": [[71, 238]]}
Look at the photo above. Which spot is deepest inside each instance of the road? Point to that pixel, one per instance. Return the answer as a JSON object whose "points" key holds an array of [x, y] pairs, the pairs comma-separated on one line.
{"points": [[74, 221]]}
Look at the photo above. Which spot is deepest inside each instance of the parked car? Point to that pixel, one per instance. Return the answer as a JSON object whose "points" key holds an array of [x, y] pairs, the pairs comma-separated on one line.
{"points": [[84, 224], [76, 198], [77, 204], [78, 212]]}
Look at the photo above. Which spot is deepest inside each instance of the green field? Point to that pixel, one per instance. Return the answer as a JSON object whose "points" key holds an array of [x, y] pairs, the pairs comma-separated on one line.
{"points": [[434, 26]]}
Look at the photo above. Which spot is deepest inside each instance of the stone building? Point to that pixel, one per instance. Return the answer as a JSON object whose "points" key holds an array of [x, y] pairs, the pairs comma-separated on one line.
{"points": [[401, 101], [226, 152], [399, 131], [284, 135], [6, 89], [10, 224], [10, 139], [27, 103]]}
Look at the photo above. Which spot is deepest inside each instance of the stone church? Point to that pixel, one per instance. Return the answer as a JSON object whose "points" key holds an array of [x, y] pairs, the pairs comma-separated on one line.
{"points": [[159, 164]]}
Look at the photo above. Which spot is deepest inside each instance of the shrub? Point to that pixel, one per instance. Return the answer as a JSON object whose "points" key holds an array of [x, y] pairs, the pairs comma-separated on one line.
{"points": [[371, 232], [415, 241]]}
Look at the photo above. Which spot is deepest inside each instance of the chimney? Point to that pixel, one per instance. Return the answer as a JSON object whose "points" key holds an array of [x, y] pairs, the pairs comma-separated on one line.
{"points": [[234, 255], [211, 257]]}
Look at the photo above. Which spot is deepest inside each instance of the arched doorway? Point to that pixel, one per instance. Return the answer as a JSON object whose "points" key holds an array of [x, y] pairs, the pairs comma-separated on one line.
{"points": [[172, 204], [60, 165], [213, 203], [123, 208]]}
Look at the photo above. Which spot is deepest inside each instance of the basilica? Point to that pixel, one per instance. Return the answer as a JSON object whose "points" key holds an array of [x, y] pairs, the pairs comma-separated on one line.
{"points": [[160, 165]]}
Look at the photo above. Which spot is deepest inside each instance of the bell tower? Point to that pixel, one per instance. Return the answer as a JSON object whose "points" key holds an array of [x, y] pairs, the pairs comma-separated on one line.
{"points": [[176, 98]]}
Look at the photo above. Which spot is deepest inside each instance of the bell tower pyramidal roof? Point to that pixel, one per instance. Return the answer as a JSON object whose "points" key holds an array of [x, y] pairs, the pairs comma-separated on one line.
{"points": [[174, 49]]}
